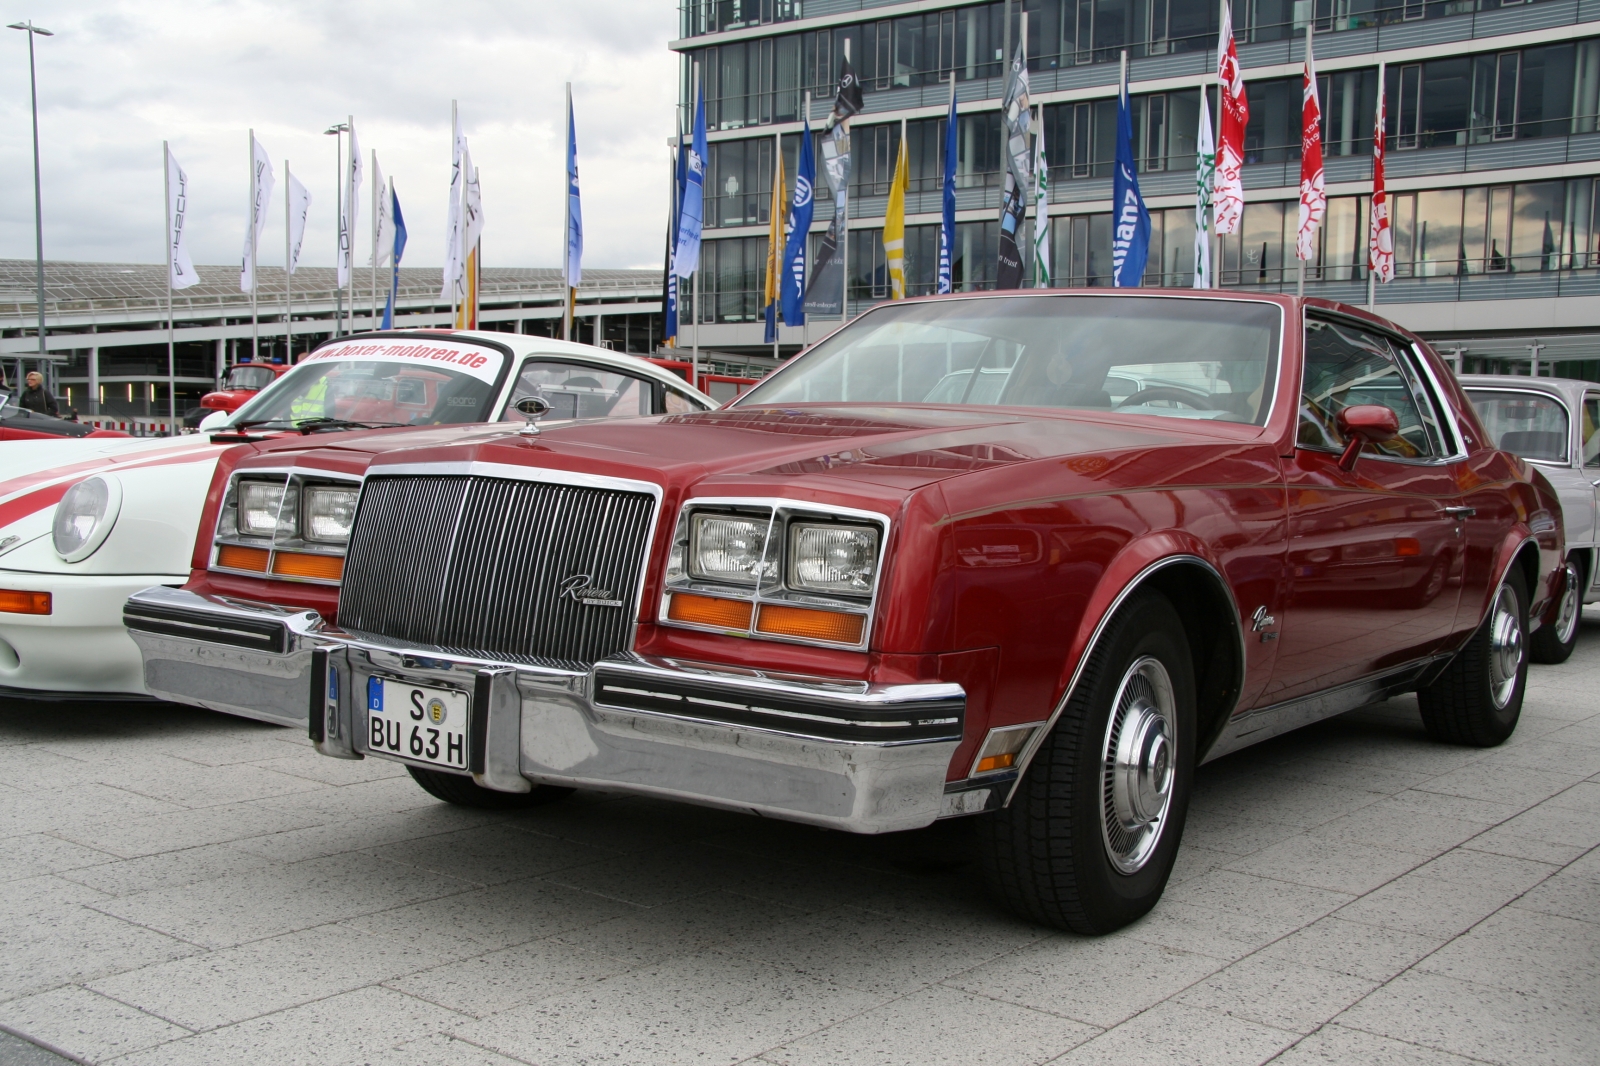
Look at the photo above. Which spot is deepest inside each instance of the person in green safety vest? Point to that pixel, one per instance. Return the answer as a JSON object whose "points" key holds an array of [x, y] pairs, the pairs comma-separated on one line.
{"points": [[313, 403]]}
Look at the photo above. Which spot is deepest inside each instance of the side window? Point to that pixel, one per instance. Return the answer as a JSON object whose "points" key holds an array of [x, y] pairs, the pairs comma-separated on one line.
{"points": [[679, 404], [579, 390], [1591, 430], [1347, 366]]}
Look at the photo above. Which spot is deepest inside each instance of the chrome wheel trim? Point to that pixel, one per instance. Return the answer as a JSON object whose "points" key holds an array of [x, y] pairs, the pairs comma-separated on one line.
{"points": [[1138, 763], [1571, 608], [1505, 646]]}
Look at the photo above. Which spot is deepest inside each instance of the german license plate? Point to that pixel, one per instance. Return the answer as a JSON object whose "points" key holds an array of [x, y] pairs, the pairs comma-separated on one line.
{"points": [[417, 722]]}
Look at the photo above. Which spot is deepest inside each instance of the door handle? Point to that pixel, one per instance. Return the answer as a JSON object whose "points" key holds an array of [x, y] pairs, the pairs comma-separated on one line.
{"points": [[1458, 513]]}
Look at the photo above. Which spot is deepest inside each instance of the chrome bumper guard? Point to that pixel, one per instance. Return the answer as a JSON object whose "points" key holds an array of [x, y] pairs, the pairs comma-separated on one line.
{"points": [[861, 757]]}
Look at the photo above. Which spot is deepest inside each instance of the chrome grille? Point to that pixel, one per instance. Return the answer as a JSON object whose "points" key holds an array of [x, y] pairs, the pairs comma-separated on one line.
{"points": [[478, 565]]}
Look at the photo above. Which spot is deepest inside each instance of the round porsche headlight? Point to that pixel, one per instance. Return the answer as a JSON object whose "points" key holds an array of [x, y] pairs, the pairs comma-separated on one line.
{"points": [[330, 512], [832, 558], [84, 517], [727, 547]]}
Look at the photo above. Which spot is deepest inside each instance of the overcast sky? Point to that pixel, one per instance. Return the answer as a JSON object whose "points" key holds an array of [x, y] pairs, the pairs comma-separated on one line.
{"points": [[119, 77]]}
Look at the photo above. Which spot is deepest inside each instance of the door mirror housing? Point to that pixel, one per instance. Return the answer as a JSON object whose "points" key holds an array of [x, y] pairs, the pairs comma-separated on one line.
{"points": [[1363, 423]]}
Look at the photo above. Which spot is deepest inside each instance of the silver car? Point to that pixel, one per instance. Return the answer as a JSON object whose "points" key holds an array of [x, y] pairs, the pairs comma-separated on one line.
{"points": [[1554, 423]]}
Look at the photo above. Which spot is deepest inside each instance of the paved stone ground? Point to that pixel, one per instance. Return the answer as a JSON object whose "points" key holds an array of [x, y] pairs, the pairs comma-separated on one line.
{"points": [[181, 887]]}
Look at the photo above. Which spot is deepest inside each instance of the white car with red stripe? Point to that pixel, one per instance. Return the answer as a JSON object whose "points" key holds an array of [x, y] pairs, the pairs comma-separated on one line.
{"points": [[84, 524]]}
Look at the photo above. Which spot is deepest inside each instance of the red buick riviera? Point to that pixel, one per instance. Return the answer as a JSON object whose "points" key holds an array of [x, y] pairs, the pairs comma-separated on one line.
{"points": [[1024, 557]]}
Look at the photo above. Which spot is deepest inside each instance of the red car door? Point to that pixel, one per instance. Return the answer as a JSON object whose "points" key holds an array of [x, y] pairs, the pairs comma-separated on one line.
{"points": [[1375, 552]]}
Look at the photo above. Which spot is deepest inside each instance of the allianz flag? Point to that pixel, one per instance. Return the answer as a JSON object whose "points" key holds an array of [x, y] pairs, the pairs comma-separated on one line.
{"points": [[801, 207], [945, 281], [574, 204], [1130, 234], [399, 250], [686, 260]]}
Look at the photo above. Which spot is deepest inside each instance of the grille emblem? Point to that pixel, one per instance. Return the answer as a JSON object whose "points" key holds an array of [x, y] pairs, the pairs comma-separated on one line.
{"points": [[578, 589]]}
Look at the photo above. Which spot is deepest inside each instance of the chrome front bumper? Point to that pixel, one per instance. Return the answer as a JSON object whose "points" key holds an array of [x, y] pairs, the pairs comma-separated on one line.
{"points": [[851, 755]]}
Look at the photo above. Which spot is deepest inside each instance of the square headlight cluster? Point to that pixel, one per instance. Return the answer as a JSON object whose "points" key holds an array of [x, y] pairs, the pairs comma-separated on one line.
{"points": [[291, 510], [827, 558]]}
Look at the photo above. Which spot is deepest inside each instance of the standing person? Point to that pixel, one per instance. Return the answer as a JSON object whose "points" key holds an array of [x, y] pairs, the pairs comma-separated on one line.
{"points": [[35, 397]]}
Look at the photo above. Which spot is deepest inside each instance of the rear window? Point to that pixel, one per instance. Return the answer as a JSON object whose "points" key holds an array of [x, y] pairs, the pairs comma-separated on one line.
{"points": [[1533, 425]]}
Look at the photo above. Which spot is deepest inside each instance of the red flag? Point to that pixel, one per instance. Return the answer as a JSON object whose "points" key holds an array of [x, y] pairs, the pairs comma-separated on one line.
{"points": [[1229, 200], [1380, 242], [1313, 200]]}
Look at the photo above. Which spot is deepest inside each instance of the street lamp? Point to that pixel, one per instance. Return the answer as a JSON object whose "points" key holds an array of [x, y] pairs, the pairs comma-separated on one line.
{"points": [[38, 209], [338, 212]]}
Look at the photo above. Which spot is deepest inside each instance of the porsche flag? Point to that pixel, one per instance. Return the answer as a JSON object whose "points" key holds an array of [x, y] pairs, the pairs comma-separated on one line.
{"points": [[383, 230], [180, 269], [349, 214], [262, 182], [1230, 144], [299, 207]]}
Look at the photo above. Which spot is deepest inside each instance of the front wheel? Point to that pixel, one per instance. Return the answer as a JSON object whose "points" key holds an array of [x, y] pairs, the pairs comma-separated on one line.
{"points": [[1090, 836], [1554, 643], [1478, 698], [465, 792]]}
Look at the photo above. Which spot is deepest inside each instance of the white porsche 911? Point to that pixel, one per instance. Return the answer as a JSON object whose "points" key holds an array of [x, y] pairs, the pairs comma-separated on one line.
{"points": [[86, 523]]}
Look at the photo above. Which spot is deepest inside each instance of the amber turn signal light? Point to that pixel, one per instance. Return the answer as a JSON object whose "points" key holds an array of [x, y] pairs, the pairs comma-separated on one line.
{"points": [[807, 624], [995, 762], [302, 564], [19, 602], [709, 611], [235, 557]]}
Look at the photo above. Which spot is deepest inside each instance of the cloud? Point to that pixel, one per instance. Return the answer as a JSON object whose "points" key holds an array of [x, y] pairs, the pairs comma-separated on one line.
{"points": [[119, 77]]}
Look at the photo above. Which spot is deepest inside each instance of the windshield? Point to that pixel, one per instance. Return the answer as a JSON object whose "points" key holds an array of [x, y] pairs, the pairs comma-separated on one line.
{"points": [[1530, 424], [398, 382], [249, 376], [1180, 358]]}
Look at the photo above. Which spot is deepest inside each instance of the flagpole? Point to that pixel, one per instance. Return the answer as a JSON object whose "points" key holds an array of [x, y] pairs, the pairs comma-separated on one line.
{"points": [[338, 214], [255, 338], [777, 312], [566, 230], [1372, 280], [350, 232], [844, 233], [166, 211], [1300, 282], [288, 297], [455, 286], [1216, 160], [375, 238], [694, 278]]}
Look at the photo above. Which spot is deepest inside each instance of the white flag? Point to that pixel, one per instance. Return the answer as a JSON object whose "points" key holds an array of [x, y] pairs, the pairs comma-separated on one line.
{"points": [[1041, 213], [383, 235], [471, 204], [262, 183], [453, 259], [1205, 172], [299, 206], [348, 216], [180, 269]]}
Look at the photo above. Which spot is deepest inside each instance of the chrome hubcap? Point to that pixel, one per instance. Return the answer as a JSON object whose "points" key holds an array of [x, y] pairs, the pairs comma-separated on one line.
{"points": [[1137, 764], [1505, 646], [1567, 619]]}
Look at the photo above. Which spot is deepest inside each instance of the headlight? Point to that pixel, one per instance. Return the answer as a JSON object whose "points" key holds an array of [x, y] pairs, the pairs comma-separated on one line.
{"points": [[727, 547], [832, 558], [260, 505], [84, 517], [330, 511]]}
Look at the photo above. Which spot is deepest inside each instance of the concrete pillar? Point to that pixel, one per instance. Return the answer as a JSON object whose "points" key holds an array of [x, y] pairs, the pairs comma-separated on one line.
{"points": [[598, 333], [222, 362], [94, 381]]}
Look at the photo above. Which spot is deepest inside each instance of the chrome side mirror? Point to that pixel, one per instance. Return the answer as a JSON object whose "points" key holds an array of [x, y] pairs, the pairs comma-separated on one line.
{"points": [[531, 408]]}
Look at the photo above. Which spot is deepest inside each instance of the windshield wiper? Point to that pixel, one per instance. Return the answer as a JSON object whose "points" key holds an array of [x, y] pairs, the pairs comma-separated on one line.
{"points": [[312, 425]]}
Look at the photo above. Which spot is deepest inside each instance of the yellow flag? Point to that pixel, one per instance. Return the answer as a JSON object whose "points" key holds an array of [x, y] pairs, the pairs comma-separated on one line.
{"points": [[894, 225], [775, 231]]}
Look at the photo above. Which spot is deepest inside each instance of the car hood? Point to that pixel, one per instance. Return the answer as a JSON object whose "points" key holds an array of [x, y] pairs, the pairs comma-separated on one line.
{"points": [[889, 447]]}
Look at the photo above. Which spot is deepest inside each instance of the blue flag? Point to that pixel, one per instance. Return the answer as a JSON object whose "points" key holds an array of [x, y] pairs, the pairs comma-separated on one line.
{"points": [[1130, 235], [394, 269], [793, 280], [947, 227], [671, 302], [687, 257], [574, 205]]}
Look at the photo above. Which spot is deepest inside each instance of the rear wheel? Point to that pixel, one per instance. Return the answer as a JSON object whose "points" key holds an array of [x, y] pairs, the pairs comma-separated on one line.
{"points": [[465, 792], [1553, 643], [1478, 699], [1090, 836]]}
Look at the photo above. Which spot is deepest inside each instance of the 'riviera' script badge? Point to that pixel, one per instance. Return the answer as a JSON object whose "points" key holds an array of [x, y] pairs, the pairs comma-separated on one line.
{"points": [[578, 589]]}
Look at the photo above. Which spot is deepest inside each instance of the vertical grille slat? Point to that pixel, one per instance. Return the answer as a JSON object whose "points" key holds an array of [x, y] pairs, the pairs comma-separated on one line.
{"points": [[477, 564]]}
